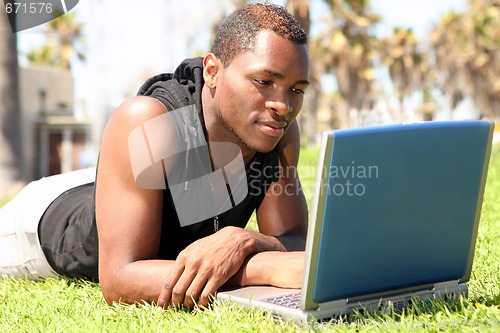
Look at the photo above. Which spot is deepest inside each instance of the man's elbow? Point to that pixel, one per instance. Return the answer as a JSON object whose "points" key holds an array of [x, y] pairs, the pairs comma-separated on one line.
{"points": [[295, 241], [109, 290], [114, 288]]}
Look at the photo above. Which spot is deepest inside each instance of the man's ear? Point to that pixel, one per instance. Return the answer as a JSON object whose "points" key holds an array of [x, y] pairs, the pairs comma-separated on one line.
{"points": [[211, 69]]}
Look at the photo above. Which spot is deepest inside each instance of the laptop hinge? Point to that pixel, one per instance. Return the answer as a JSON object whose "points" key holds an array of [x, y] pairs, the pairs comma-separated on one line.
{"points": [[341, 303], [446, 285], [450, 289]]}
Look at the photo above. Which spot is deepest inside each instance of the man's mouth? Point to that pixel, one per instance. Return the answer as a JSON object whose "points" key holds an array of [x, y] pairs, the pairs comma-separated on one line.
{"points": [[272, 128]]}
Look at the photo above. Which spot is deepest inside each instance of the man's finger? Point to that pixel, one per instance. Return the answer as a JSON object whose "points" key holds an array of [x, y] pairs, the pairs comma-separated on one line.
{"points": [[178, 291], [210, 290], [166, 291], [193, 292]]}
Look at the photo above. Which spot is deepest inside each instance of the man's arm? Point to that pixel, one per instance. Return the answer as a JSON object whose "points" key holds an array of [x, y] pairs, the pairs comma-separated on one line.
{"points": [[283, 212], [128, 216], [278, 269]]}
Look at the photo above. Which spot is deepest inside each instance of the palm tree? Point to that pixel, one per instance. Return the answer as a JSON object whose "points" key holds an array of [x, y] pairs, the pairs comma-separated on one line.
{"points": [[347, 48], [65, 40], [10, 135], [300, 10], [44, 55], [467, 55], [406, 64]]}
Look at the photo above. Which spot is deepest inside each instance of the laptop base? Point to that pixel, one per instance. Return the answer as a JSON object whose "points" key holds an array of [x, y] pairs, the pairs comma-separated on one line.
{"points": [[255, 296]]}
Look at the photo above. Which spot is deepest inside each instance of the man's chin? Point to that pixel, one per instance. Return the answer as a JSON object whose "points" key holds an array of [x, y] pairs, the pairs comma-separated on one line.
{"points": [[263, 148], [267, 149], [258, 143]]}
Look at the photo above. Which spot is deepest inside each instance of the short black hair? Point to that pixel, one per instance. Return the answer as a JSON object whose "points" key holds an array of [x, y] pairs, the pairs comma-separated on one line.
{"points": [[238, 32]]}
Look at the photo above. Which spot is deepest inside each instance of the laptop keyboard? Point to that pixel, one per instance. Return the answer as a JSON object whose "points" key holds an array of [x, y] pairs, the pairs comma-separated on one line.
{"points": [[289, 300]]}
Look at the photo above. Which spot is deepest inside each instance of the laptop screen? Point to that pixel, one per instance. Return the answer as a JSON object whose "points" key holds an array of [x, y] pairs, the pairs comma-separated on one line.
{"points": [[400, 207]]}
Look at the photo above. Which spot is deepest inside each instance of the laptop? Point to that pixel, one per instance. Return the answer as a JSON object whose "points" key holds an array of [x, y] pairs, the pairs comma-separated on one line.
{"points": [[394, 218]]}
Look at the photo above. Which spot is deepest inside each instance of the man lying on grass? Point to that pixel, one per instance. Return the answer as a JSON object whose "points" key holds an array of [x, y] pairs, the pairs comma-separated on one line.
{"points": [[181, 169]]}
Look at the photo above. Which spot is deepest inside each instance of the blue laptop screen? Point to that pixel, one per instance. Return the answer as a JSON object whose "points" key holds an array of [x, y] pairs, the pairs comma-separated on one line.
{"points": [[400, 207]]}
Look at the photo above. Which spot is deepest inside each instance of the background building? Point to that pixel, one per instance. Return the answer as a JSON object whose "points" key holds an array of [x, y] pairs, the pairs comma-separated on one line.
{"points": [[54, 139]]}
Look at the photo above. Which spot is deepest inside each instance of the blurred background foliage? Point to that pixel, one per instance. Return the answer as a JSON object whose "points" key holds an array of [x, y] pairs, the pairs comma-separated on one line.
{"points": [[458, 60]]}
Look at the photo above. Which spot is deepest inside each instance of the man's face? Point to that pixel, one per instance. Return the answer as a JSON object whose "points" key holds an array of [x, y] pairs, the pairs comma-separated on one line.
{"points": [[260, 93]]}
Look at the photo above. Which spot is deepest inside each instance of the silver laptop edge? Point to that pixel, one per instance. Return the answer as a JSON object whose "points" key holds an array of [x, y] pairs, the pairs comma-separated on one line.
{"points": [[467, 274], [314, 228]]}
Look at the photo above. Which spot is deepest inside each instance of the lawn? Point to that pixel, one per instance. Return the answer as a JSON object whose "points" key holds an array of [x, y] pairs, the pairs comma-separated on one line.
{"points": [[65, 305]]}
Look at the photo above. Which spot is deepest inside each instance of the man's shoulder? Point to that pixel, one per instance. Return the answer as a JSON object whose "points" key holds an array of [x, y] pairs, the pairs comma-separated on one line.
{"points": [[178, 89], [139, 108]]}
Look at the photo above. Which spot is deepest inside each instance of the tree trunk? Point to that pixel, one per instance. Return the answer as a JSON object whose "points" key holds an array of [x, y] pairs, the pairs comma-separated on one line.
{"points": [[11, 171]]}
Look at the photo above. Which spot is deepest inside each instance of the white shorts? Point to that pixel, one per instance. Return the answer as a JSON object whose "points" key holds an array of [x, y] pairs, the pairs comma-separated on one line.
{"points": [[21, 254]]}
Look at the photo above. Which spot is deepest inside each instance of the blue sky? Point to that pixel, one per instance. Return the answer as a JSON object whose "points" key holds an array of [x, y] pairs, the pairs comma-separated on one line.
{"points": [[417, 14]]}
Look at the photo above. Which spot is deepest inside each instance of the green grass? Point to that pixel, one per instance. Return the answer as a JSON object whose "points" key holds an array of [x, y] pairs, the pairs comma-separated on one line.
{"points": [[67, 305]]}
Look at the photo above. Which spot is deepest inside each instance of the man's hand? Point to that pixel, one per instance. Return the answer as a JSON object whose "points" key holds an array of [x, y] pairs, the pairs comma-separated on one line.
{"points": [[204, 266]]}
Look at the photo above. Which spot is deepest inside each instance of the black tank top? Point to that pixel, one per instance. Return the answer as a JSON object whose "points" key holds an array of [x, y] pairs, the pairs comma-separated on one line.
{"points": [[68, 232]]}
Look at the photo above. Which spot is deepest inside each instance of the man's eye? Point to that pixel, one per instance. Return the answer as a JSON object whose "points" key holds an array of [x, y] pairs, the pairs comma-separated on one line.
{"points": [[262, 82], [298, 91]]}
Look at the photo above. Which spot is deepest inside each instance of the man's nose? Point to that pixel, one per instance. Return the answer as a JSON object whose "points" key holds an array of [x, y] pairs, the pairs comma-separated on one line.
{"points": [[279, 104]]}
